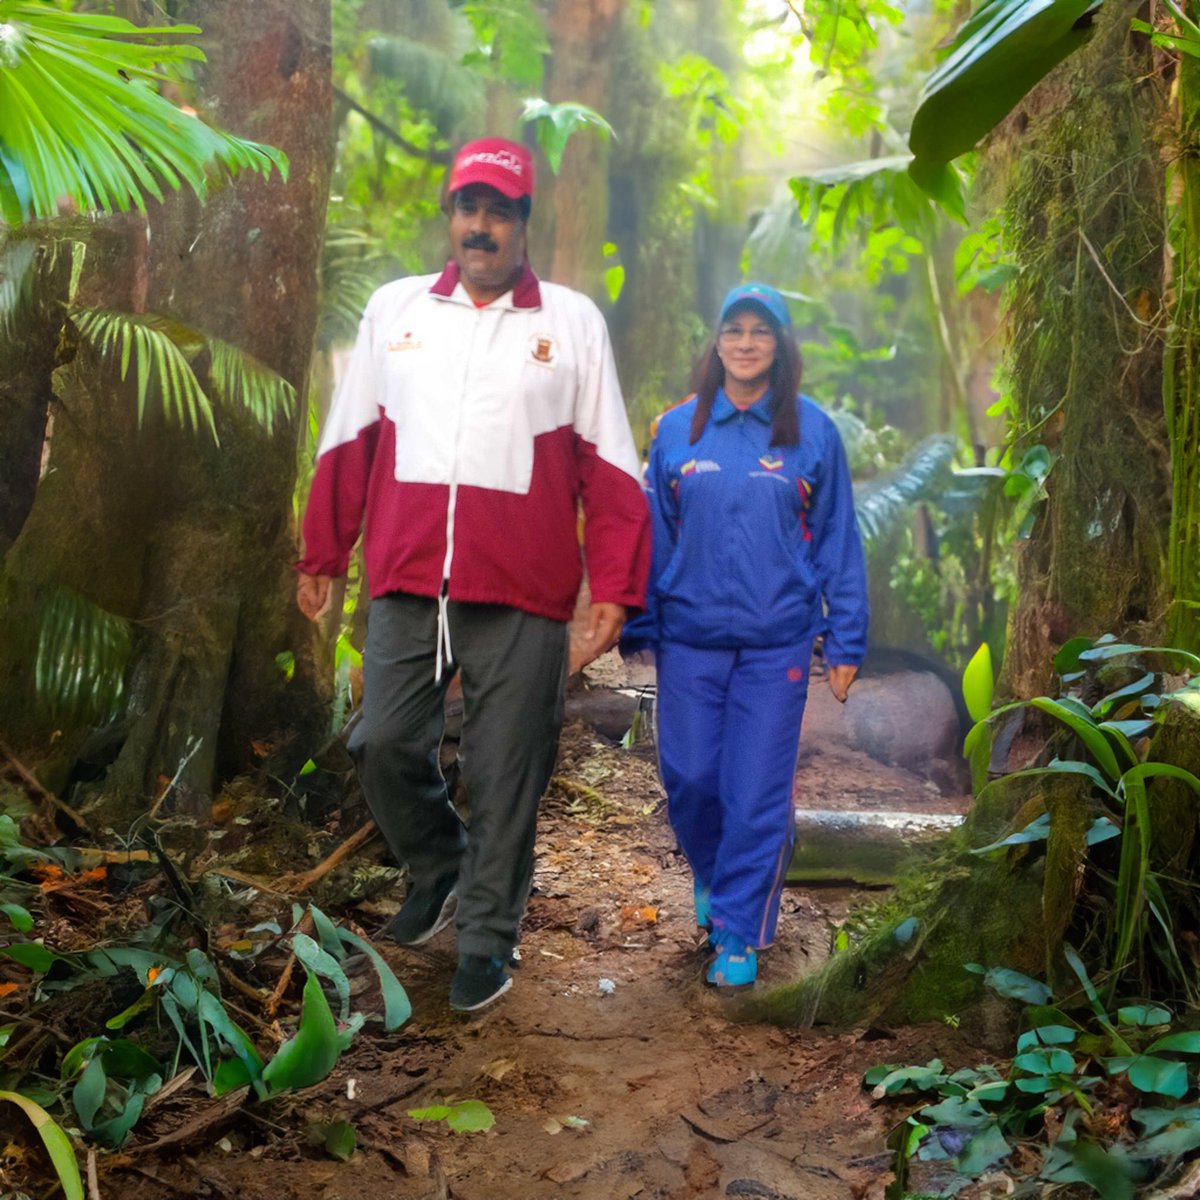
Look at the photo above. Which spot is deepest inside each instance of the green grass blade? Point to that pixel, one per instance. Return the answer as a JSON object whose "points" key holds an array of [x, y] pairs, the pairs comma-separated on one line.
{"points": [[58, 1145]]}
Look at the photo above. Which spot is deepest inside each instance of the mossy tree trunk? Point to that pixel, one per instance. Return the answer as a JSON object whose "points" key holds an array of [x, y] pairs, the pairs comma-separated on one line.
{"points": [[1182, 377], [1084, 217], [189, 540], [1086, 213]]}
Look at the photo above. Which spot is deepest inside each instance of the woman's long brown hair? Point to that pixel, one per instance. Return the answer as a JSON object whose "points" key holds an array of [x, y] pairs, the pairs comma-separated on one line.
{"points": [[709, 374]]}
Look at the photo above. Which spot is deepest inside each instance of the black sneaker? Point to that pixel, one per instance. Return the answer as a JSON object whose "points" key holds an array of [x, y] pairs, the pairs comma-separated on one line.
{"points": [[477, 982], [428, 908]]}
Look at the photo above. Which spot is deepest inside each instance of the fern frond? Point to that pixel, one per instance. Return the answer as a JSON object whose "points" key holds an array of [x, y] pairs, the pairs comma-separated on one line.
{"points": [[81, 655], [881, 503], [158, 350], [16, 280], [239, 378]]}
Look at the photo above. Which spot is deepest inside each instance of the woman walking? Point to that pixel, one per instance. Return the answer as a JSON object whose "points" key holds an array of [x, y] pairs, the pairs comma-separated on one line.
{"points": [[756, 554]]}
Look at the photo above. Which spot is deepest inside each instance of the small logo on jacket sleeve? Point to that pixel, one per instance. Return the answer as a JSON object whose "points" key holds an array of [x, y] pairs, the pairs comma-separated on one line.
{"points": [[770, 463]]}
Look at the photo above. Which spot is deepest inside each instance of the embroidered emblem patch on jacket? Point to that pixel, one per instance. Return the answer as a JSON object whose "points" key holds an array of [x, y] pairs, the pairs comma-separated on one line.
{"points": [[407, 342], [543, 350], [770, 462]]}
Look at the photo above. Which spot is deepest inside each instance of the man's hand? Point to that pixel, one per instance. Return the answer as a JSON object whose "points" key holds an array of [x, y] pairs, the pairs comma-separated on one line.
{"points": [[603, 630], [312, 595], [840, 679]]}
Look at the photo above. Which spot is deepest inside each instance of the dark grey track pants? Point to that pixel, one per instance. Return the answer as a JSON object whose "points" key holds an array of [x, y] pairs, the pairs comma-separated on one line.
{"points": [[513, 668]]}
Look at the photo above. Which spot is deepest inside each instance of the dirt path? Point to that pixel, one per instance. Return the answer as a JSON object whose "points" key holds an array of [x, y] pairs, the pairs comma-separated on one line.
{"points": [[650, 1088]]}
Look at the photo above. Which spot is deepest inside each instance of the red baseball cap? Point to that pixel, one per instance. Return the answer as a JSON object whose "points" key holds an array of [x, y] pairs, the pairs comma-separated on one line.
{"points": [[506, 166]]}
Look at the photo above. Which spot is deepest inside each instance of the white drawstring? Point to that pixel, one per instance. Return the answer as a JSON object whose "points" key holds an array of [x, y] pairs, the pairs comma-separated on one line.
{"points": [[445, 652]]}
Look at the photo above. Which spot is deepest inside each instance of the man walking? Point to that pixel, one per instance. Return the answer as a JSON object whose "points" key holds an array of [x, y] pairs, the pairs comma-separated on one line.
{"points": [[479, 410]]}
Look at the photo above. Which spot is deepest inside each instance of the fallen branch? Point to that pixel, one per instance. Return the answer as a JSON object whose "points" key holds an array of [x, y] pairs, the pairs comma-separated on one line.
{"points": [[272, 1003], [94, 856], [31, 781], [295, 884], [241, 877]]}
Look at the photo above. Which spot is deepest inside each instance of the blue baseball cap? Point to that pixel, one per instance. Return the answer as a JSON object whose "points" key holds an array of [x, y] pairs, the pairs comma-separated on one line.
{"points": [[761, 294]]}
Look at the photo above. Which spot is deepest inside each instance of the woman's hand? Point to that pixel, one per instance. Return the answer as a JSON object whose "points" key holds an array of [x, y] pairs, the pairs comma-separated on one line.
{"points": [[840, 679]]}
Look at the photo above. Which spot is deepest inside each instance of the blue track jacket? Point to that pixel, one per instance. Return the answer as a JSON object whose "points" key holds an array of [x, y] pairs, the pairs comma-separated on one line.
{"points": [[749, 538]]}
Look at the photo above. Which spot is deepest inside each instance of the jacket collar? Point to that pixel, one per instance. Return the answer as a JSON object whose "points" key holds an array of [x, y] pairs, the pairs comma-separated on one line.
{"points": [[723, 408], [525, 294]]}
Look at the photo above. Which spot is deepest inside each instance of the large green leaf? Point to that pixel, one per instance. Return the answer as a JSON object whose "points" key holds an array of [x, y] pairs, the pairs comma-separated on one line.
{"points": [[1000, 53], [555, 123], [308, 1057], [396, 1005], [978, 682], [875, 192], [1085, 727], [83, 117], [57, 1144], [881, 503]]}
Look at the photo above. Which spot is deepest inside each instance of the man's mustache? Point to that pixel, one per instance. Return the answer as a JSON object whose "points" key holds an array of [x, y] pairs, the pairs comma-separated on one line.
{"points": [[479, 241]]}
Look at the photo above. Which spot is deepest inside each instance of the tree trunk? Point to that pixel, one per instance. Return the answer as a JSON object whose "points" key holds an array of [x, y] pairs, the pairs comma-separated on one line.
{"points": [[1085, 219], [1085, 213], [582, 36], [188, 539]]}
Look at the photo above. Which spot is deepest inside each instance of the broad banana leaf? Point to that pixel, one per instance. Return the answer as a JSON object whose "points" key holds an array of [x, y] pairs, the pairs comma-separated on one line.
{"points": [[1001, 52]]}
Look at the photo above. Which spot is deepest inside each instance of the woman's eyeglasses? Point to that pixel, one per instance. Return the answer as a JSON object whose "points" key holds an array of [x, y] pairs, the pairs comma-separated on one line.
{"points": [[760, 335]]}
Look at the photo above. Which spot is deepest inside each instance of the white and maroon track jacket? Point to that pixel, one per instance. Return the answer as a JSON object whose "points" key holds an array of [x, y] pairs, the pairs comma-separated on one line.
{"points": [[461, 440]]}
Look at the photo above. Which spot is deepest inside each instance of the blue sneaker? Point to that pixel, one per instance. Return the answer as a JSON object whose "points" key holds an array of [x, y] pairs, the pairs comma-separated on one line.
{"points": [[736, 965]]}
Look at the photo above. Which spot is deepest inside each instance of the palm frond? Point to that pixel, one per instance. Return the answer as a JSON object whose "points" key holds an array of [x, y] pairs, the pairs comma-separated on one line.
{"points": [[81, 655], [434, 81], [83, 117], [881, 503], [239, 378], [16, 279], [153, 345], [353, 264]]}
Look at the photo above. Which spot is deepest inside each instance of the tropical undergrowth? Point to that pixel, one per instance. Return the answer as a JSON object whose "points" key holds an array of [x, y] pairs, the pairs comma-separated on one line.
{"points": [[1070, 888], [123, 974]]}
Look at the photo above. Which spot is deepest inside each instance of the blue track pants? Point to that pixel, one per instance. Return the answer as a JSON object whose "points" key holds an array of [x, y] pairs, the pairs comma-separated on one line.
{"points": [[728, 739]]}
